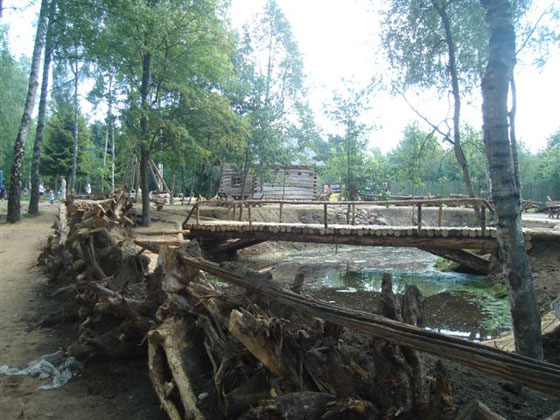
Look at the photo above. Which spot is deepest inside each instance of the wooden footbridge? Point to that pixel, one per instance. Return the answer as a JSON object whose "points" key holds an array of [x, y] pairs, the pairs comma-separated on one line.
{"points": [[223, 236]]}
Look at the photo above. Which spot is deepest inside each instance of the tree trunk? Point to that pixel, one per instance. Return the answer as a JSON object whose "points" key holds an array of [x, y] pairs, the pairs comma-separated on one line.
{"points": [[512, 136], [457, 148], [34, 200], [525, 314], [144, 151], [75, 131], [14, 196]]}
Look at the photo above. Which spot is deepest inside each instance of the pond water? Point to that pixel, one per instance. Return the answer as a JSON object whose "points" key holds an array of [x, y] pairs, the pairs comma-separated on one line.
{"points": [[456, 303]]}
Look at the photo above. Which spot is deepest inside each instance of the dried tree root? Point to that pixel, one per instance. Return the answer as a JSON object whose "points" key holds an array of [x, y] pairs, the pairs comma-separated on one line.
{"points": [[168, 371]]}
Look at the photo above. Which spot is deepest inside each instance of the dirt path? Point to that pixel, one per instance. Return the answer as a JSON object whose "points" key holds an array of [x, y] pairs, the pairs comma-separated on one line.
{"points": [[109, 390]]}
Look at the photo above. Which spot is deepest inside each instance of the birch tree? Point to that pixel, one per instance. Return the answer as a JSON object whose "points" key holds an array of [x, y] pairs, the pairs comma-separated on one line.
{"points": [[14, 196], [505, 192]]}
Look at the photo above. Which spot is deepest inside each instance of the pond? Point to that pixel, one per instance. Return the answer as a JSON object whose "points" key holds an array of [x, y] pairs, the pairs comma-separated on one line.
{"points": [[455, 303]]}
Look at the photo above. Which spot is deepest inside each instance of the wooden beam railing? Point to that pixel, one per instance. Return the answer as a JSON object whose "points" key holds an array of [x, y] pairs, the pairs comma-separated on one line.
{"points": [[351, 207], [526, 371]]}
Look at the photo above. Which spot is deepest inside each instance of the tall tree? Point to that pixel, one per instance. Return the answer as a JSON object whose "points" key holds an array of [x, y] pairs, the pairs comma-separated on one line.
{"points": [[14, 196], [163, 50], [505, 194], [438, 43], [14, 79], [346, 111], [271, 69], [34, 199]]}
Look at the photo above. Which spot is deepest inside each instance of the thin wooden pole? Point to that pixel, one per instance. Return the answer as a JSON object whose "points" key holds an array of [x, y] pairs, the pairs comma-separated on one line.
{"points": [[348, 215], [440, 216], [325, 215], [197, 213], [483, 219], [419, 217], [234, 208], [249, 215], [281, 208], [353, 214]]}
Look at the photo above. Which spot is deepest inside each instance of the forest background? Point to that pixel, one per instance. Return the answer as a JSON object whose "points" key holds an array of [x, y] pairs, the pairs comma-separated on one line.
{"points": [[216, 95]]}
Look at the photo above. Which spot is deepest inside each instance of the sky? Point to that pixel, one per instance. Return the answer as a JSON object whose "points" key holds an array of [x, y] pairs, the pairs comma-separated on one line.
{"points": [[339, 39]]}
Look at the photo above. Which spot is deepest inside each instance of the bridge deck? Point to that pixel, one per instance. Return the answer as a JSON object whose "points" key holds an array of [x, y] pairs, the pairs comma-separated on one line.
{"points": [[371, 235]]}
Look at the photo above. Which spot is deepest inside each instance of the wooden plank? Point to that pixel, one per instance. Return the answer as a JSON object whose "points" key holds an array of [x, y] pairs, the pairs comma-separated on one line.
{"points": [[544, 377]]}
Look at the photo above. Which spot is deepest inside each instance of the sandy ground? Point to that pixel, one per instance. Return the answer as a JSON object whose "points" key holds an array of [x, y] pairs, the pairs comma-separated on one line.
{"points": [[110, 391]]}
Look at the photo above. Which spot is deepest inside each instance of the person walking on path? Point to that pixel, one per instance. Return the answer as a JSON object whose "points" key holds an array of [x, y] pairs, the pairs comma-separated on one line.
{"points": [[88, 189], [51, 197], [41, 191], [62, 188]]}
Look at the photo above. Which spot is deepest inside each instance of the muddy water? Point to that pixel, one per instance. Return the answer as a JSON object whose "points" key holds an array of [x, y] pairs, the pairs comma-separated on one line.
{"points": [[455, 303]]}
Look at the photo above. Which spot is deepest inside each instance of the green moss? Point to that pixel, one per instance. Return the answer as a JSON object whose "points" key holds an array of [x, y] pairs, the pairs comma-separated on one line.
{"points": [[445, 265]]}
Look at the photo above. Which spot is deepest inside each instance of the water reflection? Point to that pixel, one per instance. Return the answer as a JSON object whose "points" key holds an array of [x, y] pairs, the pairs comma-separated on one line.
{"points": [[456, 303]]}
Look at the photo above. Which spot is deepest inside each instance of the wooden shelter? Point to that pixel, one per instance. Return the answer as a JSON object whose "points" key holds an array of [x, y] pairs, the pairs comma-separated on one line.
{"points": [[287, 182]]}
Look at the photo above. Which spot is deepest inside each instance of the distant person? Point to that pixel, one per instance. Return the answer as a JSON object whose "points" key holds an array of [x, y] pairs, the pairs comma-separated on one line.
{"points": [[41, 191], [88, 189], [51, 197], [2, 188], [62, 189]]}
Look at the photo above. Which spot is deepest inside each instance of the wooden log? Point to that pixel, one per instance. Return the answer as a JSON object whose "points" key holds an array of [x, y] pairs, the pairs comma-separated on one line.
{"points": [[476, 410], [343, 236], [440, 215], [462, 257], [153, 246], [245, 327], [526, 371], [168, 370], [281, 209], [325, 215]]}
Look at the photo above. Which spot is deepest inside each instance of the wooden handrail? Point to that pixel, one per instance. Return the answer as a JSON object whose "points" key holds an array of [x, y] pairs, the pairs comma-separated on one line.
{"points": [[351, 205]]}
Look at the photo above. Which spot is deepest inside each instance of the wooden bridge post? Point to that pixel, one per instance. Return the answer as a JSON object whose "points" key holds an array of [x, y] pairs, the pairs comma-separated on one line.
{"points": [[353, 214], [483, 218], [233, 212], [419, 217], [440, 216], [325, 215], [197, 213], [249, 214], [348, 215], [281, 208]]}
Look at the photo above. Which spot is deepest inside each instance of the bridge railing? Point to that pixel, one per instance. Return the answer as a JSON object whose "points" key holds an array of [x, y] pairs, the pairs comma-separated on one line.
{"points": [[417, 205]]}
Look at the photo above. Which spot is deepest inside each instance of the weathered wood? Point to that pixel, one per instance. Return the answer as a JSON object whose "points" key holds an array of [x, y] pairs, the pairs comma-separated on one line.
{"points": [[168, 371], [532, 373], [244, 327], [476, 410], [440, 215], [346, 237], [464, 258]]}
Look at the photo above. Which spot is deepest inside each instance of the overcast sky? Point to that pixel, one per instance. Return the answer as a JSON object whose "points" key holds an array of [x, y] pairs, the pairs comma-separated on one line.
{"points": [[339, 39]]}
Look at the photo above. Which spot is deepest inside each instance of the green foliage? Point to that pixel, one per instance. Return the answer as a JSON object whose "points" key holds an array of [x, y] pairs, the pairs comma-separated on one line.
{"points": [[414, 41], [348, 159], [56, 159], [13, 87]]}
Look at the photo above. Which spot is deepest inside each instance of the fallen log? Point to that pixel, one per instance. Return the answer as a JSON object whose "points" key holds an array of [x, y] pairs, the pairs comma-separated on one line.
{"points": [[168, 371], [476, 410], [529, 372]]}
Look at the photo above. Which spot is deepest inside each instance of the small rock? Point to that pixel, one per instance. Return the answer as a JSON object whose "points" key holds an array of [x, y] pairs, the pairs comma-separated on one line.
{"points": [[202, 395]]}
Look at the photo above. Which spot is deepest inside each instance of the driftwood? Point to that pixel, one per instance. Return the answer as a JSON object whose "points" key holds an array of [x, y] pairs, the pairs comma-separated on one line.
{"points": [[520, 369], [168, 371], [478, 411]]}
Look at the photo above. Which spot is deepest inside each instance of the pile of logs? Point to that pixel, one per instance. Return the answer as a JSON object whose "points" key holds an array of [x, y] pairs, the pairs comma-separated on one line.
{"points": [[240, 351], [93, 263]]}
